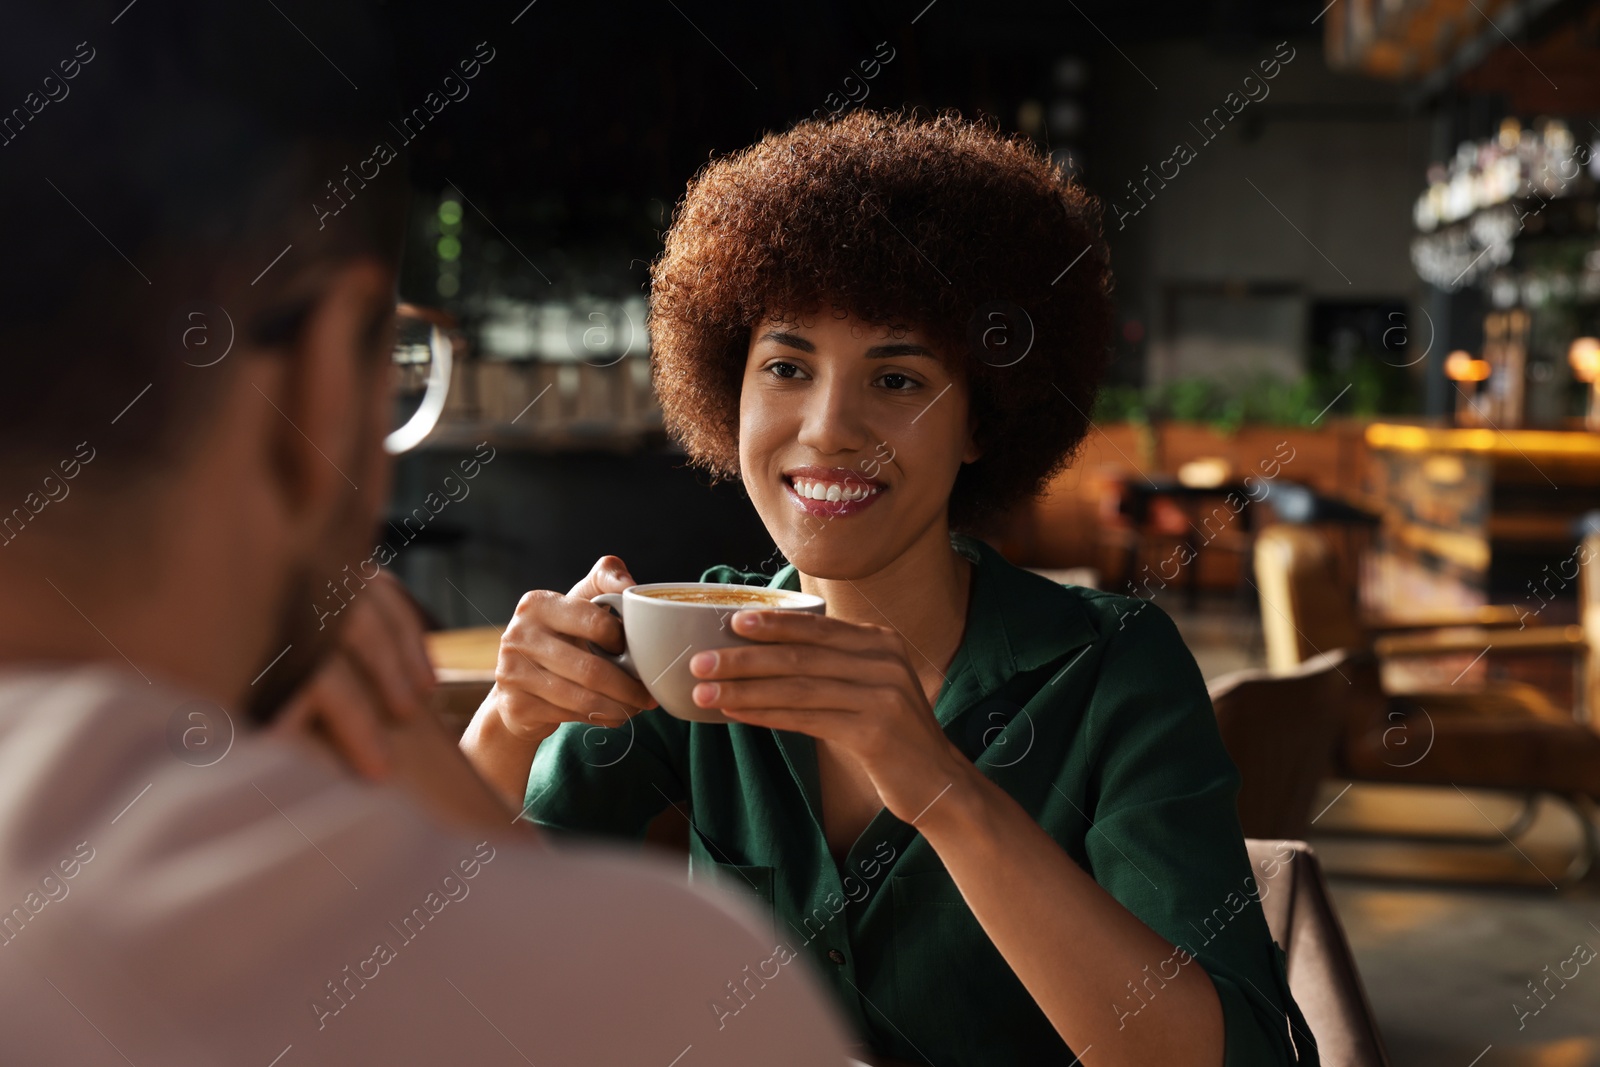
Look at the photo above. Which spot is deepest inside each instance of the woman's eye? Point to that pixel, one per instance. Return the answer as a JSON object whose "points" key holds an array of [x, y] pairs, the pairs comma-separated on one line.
{"points": [[783, 370], [899, 383]]}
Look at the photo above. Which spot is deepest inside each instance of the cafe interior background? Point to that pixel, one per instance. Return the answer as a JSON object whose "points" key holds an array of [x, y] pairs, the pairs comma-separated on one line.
{"points": [[1349, 442]]}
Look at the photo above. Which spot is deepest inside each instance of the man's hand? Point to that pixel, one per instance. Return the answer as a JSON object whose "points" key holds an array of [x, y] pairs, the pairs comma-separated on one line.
{"points": [[376, 679], [369, 703]]}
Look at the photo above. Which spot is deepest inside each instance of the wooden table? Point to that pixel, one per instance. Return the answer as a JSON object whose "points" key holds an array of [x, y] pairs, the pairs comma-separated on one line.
{"points": [[463, 662], [1138, 505], [466, 655]]}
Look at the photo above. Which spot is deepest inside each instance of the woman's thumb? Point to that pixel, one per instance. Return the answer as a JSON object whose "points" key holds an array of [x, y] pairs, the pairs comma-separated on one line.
{"points": [[614, 576]]}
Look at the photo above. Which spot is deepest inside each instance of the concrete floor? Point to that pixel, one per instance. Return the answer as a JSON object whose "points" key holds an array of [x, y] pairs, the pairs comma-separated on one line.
{"points": [[1448, 972], [1462, 948]]}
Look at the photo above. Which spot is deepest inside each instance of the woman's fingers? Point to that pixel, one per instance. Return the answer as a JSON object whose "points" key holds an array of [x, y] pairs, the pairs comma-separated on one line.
{"points": [[804, 661], [541, 693], [546, 641], [827, 725], [547, 611], [801, 693], [803, 627], [526, 716], [546, 674], [608, 575]]}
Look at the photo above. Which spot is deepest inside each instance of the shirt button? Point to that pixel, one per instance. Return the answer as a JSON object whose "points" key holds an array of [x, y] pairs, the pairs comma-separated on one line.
{"points": [[836, 956]]}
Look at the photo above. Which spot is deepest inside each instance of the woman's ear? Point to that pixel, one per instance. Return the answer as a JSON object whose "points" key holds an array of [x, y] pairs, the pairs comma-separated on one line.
{"points": [[973, 450]]}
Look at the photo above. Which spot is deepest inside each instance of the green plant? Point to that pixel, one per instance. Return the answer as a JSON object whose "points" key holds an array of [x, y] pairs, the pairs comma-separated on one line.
{"points": [[1259, 398], [1121, 403]]}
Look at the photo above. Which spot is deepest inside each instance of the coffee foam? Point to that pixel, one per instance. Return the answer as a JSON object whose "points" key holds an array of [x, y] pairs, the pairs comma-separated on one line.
{"points": [[740, 597]]}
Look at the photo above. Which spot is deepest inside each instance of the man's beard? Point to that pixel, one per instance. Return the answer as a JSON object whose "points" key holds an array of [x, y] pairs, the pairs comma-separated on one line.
{"points": [[308, 644], [304, 637]]}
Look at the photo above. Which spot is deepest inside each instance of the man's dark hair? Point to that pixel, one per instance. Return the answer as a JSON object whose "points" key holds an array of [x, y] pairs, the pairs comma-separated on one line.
{"points": [[155, 158]]}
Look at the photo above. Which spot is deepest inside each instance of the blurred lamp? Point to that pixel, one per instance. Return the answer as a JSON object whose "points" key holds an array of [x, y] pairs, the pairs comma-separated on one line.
{"points": [[1459, 366], [1584, 356]]}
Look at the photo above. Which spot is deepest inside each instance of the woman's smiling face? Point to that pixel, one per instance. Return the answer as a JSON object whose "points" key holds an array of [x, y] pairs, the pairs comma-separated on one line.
{"points": [[850, 439]]}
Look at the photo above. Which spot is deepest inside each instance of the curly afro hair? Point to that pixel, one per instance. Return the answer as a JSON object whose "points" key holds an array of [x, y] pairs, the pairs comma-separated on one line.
{"points": [[943, 223]]}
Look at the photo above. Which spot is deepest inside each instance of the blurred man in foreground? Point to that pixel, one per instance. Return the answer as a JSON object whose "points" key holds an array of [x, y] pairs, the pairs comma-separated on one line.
{"points": [[197, 362]]}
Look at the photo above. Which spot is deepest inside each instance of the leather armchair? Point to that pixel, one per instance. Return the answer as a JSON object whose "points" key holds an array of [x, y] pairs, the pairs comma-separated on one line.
{"points": [[1283, 731], [1322, 971], [1306, 610]]}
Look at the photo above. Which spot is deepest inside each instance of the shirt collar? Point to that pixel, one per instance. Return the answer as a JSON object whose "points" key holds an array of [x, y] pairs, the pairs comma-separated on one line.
{"points": [[1018, 621]]}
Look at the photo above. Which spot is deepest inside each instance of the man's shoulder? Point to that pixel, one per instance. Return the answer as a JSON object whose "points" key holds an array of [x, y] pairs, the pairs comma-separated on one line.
{"points": [[251, 896]]}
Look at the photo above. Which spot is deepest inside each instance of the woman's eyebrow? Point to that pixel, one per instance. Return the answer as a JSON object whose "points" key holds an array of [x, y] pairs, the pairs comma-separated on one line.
{"points": [[793, 340], [903, 348], [883, 351]]}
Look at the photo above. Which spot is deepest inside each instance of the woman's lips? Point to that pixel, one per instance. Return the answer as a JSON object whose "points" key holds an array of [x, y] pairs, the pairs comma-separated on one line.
{"points": [[832, 509]]}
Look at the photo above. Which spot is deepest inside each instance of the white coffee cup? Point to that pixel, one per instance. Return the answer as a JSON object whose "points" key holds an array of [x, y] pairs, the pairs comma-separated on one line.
{"points": [[665, 623]]}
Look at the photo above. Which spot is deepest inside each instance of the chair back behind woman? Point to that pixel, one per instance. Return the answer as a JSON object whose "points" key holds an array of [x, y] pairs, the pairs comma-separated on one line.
{"points": [[1283, 731]]}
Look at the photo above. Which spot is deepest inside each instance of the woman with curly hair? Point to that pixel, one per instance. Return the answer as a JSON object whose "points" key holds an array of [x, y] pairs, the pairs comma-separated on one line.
{"points": [[993, 812]]}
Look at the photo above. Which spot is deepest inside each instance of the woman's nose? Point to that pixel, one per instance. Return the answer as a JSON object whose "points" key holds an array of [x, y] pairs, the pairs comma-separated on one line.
{"points": [[831, 419]]}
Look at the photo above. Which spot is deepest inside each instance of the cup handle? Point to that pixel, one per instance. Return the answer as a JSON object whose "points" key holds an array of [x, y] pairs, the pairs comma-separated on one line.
{"points": [[613, 603]]}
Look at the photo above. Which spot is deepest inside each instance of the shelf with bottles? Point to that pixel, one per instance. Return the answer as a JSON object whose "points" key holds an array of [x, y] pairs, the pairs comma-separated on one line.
{"points": [[561, 372], [550, 404], [1522, 185]]}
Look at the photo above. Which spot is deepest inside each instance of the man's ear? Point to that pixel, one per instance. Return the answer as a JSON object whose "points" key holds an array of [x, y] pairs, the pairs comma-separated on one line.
{"points": [[330, 442]]}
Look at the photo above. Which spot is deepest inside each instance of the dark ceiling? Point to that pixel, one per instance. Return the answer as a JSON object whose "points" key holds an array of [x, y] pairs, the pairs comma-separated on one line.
{"points": [[591, 117]]}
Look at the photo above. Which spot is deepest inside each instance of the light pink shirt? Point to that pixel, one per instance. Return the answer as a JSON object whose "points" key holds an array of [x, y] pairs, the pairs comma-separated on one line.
{"points": [[163, 902]]}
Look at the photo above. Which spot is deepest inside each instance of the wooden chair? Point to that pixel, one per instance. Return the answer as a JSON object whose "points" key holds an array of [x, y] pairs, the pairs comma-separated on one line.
{"points": [[1322, 971]]}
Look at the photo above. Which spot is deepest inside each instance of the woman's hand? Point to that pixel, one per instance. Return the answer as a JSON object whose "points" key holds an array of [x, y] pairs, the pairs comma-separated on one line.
{"points": [[850, 684], [546, 675]]}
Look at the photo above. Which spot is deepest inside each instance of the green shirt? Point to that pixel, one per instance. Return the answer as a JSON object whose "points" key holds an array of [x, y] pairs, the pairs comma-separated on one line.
{"points": [[1087, 708]]}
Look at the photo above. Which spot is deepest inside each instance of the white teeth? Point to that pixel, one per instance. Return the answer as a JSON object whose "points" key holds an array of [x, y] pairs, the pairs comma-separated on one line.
{"points": [[832, 492]]}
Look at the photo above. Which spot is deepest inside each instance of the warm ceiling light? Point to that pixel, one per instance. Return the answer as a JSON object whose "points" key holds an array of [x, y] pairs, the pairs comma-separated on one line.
{"points": [[1459, 366], [1584, 355]]}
